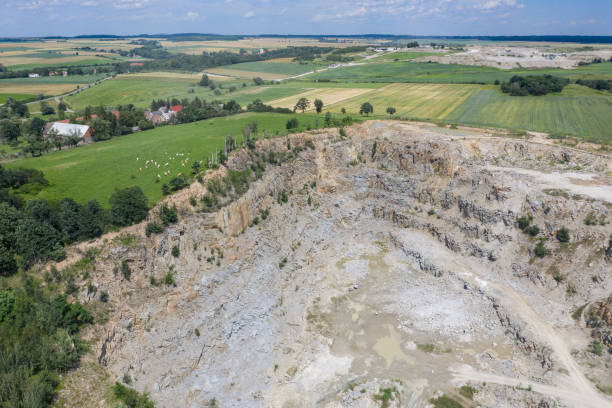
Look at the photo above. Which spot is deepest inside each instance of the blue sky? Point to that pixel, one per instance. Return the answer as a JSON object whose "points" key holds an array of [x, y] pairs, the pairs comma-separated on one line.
{"points": [[419, 17]]}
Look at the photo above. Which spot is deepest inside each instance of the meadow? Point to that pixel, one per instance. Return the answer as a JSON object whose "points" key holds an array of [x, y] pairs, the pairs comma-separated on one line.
{"points": [[96, 170], [17, 96]]}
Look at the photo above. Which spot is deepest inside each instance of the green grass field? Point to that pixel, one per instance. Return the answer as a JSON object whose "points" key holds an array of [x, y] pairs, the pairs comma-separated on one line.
{"points": [[16, 96], [136, 90], [281, 68], [448, 73], [404, 55], [577, 111], [96, 170]]}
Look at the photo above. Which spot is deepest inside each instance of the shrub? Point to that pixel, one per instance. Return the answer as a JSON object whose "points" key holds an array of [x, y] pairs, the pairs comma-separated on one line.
{"points": [[131, 398], [169, 279], [175, 251], [125, 269], [153, 228], [292, 123], [283, 197], [104, 296], [445, 402], [596, 348], [563, 235], [532, 230], [282, 263], [524, 222], [168, 215], [540, 250], [468, 391]]}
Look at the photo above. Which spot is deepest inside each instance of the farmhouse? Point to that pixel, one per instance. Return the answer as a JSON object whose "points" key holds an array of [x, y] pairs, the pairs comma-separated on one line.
{"points": [[33, 75], [84, 132], [163, 114]]}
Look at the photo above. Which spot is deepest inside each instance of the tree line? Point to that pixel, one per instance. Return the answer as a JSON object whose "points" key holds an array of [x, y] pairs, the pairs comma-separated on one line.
{"points": [[38, 230]]}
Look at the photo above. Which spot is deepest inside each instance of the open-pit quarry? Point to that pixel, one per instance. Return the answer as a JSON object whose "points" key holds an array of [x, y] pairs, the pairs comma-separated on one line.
{"points": [[382, 267]]}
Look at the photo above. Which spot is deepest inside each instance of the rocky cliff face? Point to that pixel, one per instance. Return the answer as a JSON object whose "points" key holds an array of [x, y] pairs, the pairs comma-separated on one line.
{"points": [[397, 263]]}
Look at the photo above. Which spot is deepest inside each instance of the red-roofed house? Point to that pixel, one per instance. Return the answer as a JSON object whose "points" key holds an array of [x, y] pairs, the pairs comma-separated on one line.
{"points": [[176, 108]]}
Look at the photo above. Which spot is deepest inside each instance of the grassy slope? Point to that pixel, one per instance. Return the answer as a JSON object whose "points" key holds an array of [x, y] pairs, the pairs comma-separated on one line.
{"points": [[96, 170]]}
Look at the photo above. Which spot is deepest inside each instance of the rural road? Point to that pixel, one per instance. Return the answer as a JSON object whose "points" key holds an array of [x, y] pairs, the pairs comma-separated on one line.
{"points": [[73, 92], [572, 386], [577, 387]]}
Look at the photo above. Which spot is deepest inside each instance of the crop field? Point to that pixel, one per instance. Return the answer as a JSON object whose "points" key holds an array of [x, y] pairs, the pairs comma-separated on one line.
{"points": [[58, 53], [427, 101], [96, 170], [577, 111], [447, 73], [25, 88], [329, 96], [71, 79], [265, 69], [35, 89]]}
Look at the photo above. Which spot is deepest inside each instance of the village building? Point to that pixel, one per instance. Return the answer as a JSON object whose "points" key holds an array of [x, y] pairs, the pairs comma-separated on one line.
{"points": [[84, 132], [33, 75], [163, 114]]}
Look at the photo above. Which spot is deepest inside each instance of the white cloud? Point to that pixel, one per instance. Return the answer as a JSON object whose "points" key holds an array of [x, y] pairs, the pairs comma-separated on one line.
{"points": [[191, 16], [408, 8], [130, 4], [248, 14]]}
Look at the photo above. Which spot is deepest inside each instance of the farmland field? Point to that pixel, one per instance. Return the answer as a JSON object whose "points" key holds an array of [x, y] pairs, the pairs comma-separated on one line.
{"points": [[427, 101], [577, 111], [265, 70], [96, 170], [35, 89], [404, 55], [16, 96], [447, 73], [329, 96], [138, 90]]}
